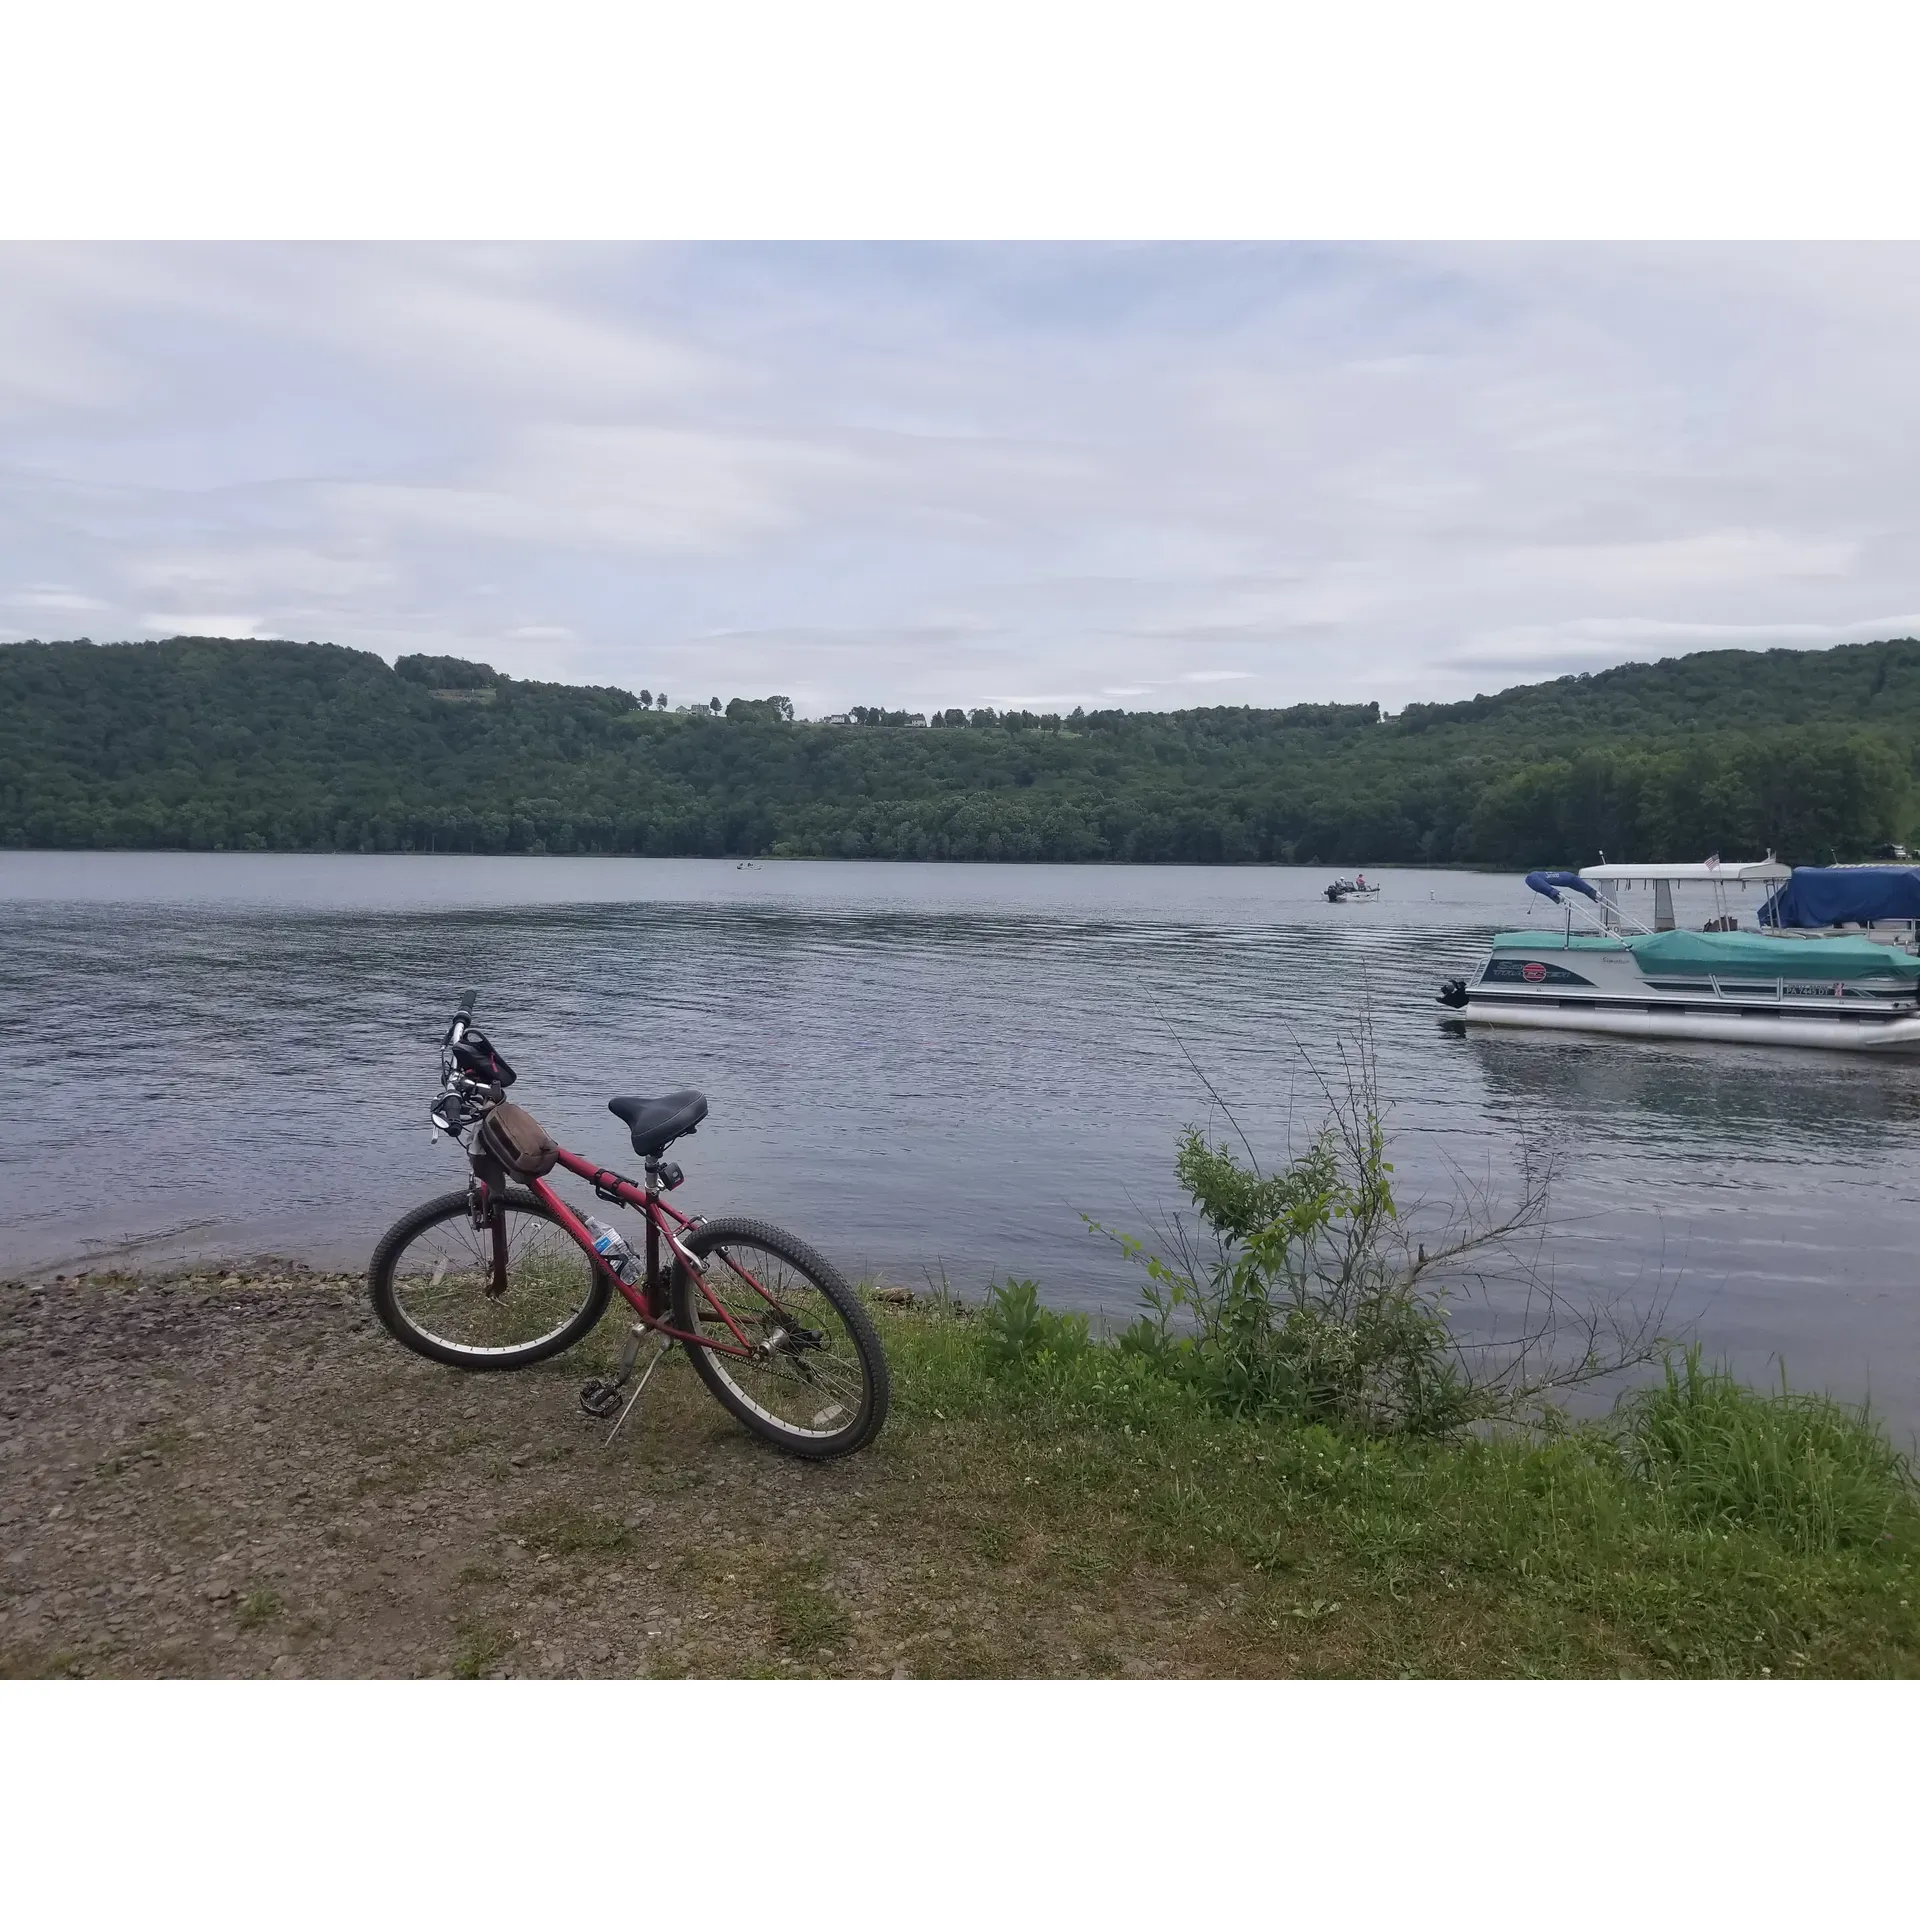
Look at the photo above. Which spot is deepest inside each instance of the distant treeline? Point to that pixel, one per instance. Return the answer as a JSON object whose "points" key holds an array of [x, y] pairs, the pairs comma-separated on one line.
{"points": [[268, 744]]}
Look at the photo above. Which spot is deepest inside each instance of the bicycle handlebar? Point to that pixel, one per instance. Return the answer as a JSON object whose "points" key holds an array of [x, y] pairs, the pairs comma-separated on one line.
{"points": [[449, 1111], [462, 1019]]}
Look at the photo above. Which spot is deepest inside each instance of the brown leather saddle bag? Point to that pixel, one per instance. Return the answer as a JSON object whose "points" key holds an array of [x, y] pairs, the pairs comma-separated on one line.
{"points": [[518, 1141]]}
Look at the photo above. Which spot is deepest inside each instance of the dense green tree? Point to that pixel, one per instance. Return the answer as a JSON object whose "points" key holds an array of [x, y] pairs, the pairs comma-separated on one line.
{"points": [[223, 743]]}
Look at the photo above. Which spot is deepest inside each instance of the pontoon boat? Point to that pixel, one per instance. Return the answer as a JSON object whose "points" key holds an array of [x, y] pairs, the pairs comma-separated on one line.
{"points": [[1827, 959]]}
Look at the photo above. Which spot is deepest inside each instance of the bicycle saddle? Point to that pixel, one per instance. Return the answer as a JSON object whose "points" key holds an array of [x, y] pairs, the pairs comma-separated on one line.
{"points": [[653, 1123]]}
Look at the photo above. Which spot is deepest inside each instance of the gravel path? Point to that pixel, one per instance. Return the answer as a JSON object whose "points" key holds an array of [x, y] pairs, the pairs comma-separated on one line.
{"points": [[241, 1474]]}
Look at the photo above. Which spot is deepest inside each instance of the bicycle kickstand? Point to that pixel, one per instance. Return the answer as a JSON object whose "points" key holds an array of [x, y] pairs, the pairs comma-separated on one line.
{"points": [[666, 1347]]}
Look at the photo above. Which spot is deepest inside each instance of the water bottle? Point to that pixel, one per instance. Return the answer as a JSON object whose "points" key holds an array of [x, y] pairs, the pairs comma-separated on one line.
{"points": [[608, 1244]]}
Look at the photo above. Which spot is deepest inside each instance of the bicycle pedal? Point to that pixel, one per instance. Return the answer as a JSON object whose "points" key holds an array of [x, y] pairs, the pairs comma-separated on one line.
{"points": [[601, 1398]]}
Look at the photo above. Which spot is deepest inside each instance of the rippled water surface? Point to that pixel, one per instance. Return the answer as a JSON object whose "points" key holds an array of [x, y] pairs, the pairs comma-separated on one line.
{"points": [[919, 1068]]}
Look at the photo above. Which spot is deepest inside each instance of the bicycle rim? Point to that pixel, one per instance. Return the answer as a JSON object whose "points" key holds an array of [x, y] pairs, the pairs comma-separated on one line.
{"points": [[804, 1375], [440, 1281]]}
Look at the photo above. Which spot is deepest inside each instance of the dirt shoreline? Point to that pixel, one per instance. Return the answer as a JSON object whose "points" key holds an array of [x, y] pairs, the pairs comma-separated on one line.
{"points": [[241, 1474]]}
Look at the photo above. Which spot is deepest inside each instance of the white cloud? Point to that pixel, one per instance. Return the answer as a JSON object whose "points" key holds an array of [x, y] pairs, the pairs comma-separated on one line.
{"points": [[209, 626], [913, 475], [264, 570], [1723, 557], [56, 600]]}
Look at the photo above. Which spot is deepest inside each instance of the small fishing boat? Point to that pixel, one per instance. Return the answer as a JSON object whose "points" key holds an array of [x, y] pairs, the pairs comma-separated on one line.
{"points": [[1354, 889], [1826, 957]]}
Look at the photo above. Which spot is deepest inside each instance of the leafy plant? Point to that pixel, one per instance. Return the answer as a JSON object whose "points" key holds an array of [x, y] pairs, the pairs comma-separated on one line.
{"points": [[1020, 1332], [1300, 1308]]}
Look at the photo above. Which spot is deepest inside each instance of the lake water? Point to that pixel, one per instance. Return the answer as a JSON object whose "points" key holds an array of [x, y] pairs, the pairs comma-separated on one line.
{"points": [[923, 1069]]}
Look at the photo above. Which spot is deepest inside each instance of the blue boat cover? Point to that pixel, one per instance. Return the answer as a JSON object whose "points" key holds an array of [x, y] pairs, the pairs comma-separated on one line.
{"points": [[1550, 883], [1828, 896]]}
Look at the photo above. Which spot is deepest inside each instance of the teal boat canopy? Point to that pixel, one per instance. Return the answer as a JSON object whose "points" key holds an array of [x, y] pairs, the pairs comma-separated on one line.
{"points": [[1760, 956], [1738, 956]]}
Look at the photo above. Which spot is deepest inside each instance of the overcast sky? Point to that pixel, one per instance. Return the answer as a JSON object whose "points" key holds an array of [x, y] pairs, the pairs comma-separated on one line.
{"points": [[924, 476]]}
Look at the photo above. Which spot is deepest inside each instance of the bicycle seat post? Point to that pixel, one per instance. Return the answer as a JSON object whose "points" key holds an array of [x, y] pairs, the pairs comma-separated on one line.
{"points": [[656, 1281]]}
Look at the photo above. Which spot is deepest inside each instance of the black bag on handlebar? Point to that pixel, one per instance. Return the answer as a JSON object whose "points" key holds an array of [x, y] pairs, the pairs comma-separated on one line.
{"points": [[518, 1141], [474, 1051]]}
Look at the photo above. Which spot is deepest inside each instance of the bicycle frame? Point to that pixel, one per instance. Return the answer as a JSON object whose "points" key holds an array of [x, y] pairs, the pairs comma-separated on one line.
{"points": [[648, 1299]]}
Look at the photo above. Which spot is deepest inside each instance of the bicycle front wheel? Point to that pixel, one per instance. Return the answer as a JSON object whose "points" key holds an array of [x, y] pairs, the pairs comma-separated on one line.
{"points": [[804, 1369], [434, 1287]]}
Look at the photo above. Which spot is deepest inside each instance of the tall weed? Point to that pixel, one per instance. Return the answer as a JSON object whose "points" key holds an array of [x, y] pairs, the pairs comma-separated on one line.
{"points": [[1304, 1295], [1810, 1472], [1300, 1308]]}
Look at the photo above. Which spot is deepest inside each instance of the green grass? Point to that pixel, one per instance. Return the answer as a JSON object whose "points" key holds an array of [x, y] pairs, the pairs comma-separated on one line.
{"points": [[480, 1647], [259, 1607], [561, 1528], [1796, 1466], [808, 1620], [1705, 1529]]}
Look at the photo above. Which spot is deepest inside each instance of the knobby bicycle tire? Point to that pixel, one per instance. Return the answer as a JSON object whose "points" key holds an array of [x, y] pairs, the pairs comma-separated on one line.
{"points": [[386, 1289], [795, 1393]]}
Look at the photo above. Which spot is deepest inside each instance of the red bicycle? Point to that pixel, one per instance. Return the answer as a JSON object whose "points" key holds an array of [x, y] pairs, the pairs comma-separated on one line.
{"points": [[506, 1273]]}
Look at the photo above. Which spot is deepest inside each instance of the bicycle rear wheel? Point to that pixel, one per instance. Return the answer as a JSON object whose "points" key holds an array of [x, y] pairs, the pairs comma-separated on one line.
{"points": [[432, 1275], [813, 1378]]}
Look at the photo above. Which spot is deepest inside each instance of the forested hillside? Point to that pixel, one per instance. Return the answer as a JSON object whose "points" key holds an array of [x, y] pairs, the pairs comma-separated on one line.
{"points": [[230, 744]]}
